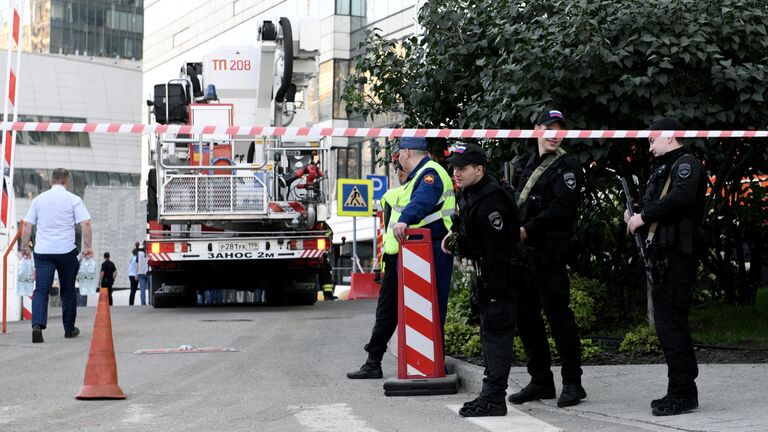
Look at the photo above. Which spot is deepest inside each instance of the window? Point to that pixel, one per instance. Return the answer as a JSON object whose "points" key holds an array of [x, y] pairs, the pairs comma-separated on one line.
{"points": [[350, 7], [340, 73], [68, 139], [28, 183], [325, 90], [348, 161]]}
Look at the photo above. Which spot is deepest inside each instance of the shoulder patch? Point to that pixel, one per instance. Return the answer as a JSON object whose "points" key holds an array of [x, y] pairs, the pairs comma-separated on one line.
{"points": [[497, 222], [684, 170], [570, 180], [429, 179]]}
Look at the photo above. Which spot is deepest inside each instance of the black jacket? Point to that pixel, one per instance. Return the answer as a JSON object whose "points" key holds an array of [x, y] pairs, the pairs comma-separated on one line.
{"points": [[680, 212], [549, 213], [489, 231]]}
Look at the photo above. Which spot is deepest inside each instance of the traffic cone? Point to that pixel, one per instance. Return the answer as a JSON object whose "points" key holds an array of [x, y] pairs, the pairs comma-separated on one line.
{"points": [[101, 369], [421, 367]]}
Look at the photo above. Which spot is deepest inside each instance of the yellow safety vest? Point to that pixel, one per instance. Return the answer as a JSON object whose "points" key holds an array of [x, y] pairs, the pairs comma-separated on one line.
{"points": [[446, 210], [390, 199]]}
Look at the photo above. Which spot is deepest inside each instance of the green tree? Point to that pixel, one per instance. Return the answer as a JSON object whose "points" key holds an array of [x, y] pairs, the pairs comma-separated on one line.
{"points": [[612, 64]]}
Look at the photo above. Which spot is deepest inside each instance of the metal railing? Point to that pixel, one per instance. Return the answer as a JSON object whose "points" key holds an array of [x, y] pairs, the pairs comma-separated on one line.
{"points": [[185, 194]]}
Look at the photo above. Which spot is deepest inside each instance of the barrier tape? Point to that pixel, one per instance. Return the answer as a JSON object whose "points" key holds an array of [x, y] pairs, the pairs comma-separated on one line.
{"points": [[317, 132]]}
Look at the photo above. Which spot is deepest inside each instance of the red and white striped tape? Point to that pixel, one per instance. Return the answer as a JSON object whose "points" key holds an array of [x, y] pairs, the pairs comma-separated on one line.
{"points": [[316, 132]]}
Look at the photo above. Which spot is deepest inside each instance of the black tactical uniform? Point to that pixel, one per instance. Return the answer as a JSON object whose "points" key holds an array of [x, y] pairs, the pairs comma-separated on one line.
{"points": [[679, 215], [488, 232], [548, 216]]}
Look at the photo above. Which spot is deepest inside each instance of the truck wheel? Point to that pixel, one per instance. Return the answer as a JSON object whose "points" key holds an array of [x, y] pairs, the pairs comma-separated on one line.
{"points": [[303, 298]]}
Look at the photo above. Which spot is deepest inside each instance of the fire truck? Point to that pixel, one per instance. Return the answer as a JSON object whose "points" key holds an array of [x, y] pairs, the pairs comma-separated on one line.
{"points": [[240, 214]]}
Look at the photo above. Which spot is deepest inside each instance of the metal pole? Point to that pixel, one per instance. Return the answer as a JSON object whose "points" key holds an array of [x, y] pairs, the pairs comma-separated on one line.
{"points": [[354, 243]]}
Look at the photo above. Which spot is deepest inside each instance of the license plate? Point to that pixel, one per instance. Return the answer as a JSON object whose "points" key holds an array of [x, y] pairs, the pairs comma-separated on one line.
{"points": [[238, 246]]}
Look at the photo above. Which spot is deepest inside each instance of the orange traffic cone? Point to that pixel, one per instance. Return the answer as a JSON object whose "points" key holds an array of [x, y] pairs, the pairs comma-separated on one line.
{"points": [[101, 369]]}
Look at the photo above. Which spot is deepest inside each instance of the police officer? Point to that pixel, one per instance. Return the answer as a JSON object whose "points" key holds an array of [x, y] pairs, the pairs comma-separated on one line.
{"points": [[673, 211], [548, 190], [386, 309], [486, 234]]}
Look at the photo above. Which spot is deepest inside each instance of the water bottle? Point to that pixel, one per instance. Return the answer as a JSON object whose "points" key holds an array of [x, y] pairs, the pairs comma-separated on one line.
{"points": [[87, 276], [25, 285]]}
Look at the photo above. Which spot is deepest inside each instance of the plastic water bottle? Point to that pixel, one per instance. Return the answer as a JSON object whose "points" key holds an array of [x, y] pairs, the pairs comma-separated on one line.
{"points": [[25, 285], [87, 276]]}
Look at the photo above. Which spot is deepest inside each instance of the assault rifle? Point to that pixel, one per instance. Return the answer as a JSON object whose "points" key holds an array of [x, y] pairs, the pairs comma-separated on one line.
{"points": [[639, 242]]}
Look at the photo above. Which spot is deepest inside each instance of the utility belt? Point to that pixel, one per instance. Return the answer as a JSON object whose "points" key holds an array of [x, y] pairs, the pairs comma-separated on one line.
{"points": [[684, 236]]}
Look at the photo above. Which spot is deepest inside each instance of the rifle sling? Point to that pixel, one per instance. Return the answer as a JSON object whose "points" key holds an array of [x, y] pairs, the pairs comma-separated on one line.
{"points": [[536, 175], [652, 230]]}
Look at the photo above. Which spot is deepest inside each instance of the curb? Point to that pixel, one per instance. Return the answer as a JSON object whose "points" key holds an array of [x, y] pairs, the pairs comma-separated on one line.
{"points": [[470, 376]]}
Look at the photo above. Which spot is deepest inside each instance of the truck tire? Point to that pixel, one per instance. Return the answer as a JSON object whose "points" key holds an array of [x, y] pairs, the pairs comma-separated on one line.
{"points": [[303, 298]]}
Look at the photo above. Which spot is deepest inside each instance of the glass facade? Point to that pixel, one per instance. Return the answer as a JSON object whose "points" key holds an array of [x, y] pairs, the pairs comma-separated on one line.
{"points": [[325, 101], [31, 182], [352, 7], [66, 139], [101, 28]]}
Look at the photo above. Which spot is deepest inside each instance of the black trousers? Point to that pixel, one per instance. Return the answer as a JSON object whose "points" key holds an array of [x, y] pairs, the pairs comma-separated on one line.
{"points": [[134, 286], [550, 291], [671, 304], [108, 286], [386, 310], [497, 334]]}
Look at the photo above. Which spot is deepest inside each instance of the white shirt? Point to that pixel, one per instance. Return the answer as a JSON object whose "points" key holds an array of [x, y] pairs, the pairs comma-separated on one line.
{"points": [[132, 267], [143, 264], [55, 212]]}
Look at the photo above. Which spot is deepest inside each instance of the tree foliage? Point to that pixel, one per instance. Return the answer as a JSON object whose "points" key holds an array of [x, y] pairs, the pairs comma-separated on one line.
{"points": [[611, 64]]}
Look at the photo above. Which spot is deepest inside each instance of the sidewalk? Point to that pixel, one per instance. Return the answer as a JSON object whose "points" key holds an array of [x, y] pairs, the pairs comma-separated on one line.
{"points": [[731, 396]]}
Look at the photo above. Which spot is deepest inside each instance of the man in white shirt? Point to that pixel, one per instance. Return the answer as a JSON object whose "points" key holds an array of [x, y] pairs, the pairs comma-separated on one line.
{"points": [[55, 213]]}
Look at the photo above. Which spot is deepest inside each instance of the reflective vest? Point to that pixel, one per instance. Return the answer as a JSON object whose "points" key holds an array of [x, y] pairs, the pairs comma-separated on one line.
{"points": [[447, 206], [389, 200]]}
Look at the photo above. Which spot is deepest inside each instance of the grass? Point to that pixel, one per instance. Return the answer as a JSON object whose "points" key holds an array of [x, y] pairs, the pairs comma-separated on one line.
{"points": [[733, 325]]}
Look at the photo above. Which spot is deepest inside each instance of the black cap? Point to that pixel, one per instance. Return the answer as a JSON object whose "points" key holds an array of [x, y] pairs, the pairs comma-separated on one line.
{"points": [[463, 154], [549, 116], [666, 123]]}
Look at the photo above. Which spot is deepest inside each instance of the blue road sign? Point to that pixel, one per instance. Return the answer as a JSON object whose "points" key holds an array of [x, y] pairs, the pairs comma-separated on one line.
{"points": [[380, 185], [355, 197]]}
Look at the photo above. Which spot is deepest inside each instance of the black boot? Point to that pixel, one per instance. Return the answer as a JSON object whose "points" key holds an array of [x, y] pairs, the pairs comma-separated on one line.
{"points": [[481, 407], [572, 395], [72, 333], [671, 406], [37, 334], [656, 402], [370, 370], [533, 392]]}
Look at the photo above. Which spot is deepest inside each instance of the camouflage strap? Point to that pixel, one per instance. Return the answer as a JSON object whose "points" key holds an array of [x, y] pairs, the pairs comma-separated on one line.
{"points": [[652, 230], [537, 173]]}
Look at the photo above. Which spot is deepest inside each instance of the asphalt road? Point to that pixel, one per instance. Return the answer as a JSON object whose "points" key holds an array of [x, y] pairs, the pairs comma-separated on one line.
{"points": [[287, 375]]}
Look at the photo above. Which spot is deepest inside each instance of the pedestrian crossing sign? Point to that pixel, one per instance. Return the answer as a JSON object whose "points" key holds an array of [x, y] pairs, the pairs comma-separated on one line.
{"points": [[354, 197]]}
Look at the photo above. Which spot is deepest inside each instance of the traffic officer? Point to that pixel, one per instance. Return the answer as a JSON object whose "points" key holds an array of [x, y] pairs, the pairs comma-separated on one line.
{"points": [[673, 206], [548, 190], [486, 233], [426, 202], [386, 309]]}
